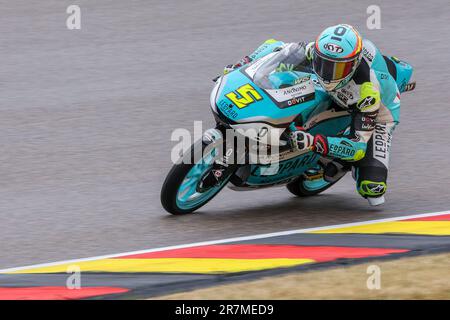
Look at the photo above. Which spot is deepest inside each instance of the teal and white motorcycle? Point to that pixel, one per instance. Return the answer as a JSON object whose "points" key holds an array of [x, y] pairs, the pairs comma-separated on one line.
{"points": [[269, 97]]}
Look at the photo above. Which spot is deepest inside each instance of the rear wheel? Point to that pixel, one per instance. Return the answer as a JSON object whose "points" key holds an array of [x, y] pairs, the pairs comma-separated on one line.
{"points": [[182, 191], [309, 184]]}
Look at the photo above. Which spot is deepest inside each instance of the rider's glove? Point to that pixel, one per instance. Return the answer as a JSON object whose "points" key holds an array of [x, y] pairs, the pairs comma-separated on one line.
{"points": [[309, 51], [228, 69], [320, 144], [239, 64], [302, 140]]}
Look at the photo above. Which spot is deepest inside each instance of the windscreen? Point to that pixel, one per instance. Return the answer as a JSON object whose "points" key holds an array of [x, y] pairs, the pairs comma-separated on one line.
{"points": [[290, 58]]}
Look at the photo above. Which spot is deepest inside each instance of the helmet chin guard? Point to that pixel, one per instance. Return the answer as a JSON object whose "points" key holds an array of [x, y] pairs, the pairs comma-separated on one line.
{"points": [[334, 85]]}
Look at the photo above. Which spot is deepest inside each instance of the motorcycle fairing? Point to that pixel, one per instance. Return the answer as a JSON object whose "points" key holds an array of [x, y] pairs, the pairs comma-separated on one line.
{"points": [[285, 170], [300, 99]]}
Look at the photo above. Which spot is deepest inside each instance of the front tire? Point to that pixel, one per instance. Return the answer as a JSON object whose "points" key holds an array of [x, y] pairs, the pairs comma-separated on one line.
{"points": [[180, 194]]}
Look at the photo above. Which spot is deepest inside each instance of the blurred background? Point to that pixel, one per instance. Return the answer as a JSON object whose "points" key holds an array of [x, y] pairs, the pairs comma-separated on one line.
{"points": [[86, 117]]}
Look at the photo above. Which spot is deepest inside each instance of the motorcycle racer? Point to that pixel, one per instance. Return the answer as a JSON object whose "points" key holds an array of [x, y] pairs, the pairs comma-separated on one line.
{"points": [[359, 79]]}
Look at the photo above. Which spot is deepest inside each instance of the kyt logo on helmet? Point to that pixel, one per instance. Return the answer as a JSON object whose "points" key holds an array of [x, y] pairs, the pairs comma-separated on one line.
{"points": [[333, 48]]}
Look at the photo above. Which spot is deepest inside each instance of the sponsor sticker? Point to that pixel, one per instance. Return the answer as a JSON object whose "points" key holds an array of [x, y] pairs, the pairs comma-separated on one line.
{"points": [[227, 109], [332, 47], [367, 54], [382, 138], [293, 92]]}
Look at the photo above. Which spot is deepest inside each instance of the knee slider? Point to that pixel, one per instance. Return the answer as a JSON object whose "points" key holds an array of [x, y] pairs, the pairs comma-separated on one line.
{"points": [[369, 188]]}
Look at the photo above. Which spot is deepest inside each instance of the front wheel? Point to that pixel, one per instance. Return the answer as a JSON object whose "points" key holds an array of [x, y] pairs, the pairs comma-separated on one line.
{"points": [[181, 192], [305, 186]]}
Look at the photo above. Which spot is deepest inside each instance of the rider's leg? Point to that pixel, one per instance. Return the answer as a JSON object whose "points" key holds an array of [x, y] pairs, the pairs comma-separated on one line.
{"points": [[372, 171]]}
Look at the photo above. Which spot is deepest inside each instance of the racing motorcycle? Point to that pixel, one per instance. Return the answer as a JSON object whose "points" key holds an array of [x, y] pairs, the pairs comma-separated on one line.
{"points": [[256, 96]]}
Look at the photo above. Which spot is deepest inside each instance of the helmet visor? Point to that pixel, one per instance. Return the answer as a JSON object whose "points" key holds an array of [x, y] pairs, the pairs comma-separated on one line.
{"points": [[330, 70]]}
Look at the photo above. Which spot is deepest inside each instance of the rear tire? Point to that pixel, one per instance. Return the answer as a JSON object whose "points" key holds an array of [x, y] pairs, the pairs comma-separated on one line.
{"points": [[297, 187]]}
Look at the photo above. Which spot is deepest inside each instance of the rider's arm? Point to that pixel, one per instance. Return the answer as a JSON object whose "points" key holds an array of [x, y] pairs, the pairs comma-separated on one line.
{"points": [[267, 47], [352, 145]]}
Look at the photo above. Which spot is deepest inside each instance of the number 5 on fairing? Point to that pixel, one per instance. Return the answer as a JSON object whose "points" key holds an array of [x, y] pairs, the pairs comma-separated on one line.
{"points": [[247, 94]]}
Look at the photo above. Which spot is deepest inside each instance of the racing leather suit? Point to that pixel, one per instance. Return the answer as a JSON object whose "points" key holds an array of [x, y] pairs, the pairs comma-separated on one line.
{"points": [[373, 99]]}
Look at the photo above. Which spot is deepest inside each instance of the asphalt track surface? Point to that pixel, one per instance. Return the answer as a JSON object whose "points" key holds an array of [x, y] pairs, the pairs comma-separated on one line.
{"points": [[86, 118]]}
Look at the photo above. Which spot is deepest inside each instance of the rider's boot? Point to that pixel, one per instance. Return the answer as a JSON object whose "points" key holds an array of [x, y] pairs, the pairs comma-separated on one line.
{"points": [[376, 201]]}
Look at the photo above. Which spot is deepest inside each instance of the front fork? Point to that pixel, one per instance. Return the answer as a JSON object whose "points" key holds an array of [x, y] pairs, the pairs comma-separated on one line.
{"points": [[225, 161]]}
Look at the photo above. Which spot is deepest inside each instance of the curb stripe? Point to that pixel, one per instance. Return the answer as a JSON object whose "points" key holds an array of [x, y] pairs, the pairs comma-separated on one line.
{"points": [[268, 251], [237, 258], [445, 217], [174, 265], [56, 293], [432, 228]]}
